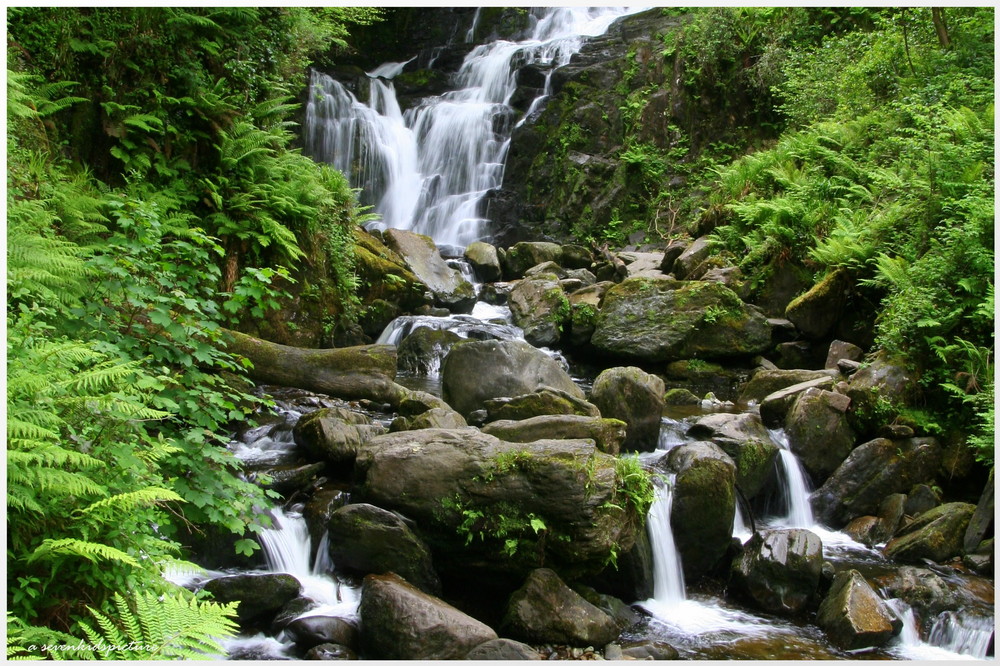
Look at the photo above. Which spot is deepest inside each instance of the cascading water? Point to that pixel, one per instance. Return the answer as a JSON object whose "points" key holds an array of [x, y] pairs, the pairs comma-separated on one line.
{"points": [[668, 576], [794, 486], [428, 168]]}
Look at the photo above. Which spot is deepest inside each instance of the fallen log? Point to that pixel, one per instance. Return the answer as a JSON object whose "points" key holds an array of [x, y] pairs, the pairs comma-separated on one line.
{"points": [[352, 373]]}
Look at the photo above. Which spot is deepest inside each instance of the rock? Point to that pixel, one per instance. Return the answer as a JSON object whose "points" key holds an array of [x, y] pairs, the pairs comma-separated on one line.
{"points": [[816, 311], [449, 288], [583, 275], [774, 407], [871, 472], [484, 261], [545, 610], [890, 515], [680, 397], [608, 434], [618, 610], [546, 267], [633, 578], [287, 480], [864, 529], [704, 505], [982, 519], [398, 621], [261, 596], [635, 397], [318, 509], [434, 418], [798, 354], [842, 351], [730, 276], [896, 431], [333, 435], [663, 320], [853, 615], [691, 257], [504, 649], [818, 431], [540, 307], [848, 367], [930, 593], [330, 652], [541, 402], [475, 372], [746, 441], [575, 257], [674, 250], [644, 264], [779, 570], [314, 630], [421, 351], [878, 389], [921, 499], [290, 611], [522, 256], [503, 507], [366, 539], [645, 650], [495, 293], [765, 382], [418, 402], [935, 535]]}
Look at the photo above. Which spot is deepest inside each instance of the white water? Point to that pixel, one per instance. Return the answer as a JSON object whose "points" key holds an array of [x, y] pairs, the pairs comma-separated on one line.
{"points": [[794, 486], [949, 641], [668, 576], [963, 633], [427, 169]]}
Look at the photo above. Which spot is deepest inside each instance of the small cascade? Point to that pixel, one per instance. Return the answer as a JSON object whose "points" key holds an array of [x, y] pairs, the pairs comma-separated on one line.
{"points": [[465, 326], [794, 486], [668, 576], [965, 633], [740, 528]]}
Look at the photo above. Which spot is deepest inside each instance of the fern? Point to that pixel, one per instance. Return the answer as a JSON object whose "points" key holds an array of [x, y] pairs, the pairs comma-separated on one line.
{"points": [[54, 549], [126, 502]]}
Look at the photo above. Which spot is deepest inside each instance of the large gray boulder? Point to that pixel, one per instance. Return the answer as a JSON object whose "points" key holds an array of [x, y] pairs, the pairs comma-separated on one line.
{"points": [[475, 372], [449, 288], [366, 539], [634, 396], [334, 434], [421, 351], [692, 257], [539, 306], [484, 261], [779, 570], [653, 320], [608, 434], [744, 439], [853, 615], [935, 535], [818, 431], [871, 472], [878, 389], [399, 621], [816, 311], [704, 505], [522, 256], [545, 610]]}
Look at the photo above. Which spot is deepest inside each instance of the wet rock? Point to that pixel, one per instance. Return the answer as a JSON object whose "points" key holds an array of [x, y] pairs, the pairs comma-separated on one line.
{"points": [[540, 307], [330, 652], [334, 434], [398, 621], [495, 293], [308, 632], [646, 650], [935, 535], [635, 397], [366, 539], [522, 256], [765, 382], [864, 529], [842, 351], [931, 593], [543, 401], [779, 570], [503, 649], [261, 596], [421, 351], [663, 320], [475, 372], [618, 610], [691, 257], [290, 611], [418, 402], [982, 519], [704, 505], [921, 499], [421, 256], [633, 578], [680, 397], [432, 418], [674, 250], [816, 311], [484, 261], [744, 439], [818, 431], [853, 615], [873, 471], [545, 610], [608, 434], [774, 407], [287, 480], [546, 267]]}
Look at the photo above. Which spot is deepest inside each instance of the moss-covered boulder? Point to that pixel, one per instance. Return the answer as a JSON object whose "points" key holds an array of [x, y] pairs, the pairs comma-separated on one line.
{"points": [[816, 311], [764, 382], [818, 431], [663, 320], [522, 256], [539, 306], [744, 439], [635, 397], [853, 615], [878, 389], [935, 535], [334, 434], [438, 417], [484, 261], [421, 351], [774, 407], [449, 288], [779, 570], [608, 434], [543, 401], [261, 596]]}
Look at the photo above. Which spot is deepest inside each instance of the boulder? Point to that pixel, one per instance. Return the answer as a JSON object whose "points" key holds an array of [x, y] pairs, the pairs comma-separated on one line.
{"points": [[642, 264], [853, 615], [261, 596], [608, 434], [674, 250], [449, 288], [648, 650], [774, 407], [842, 351], [877, 390], [399, 621], [502, 507], [333, 435], [765, 382], [931, 593], [636, 397], [421, 351], [503, 649], [704, 505], [313, 630], [475, 372], [546, 267], [365, 539], [432, 418], [618, 610], [779, 570], [663, 320], [286, 480], [575, 257], [522, 256], [541, 402], [692, 257], [982, 519], [484, 261], [920, 499], [418, 402], [545, 610], [330, 652], [633, 577], [871, 472], [746, 441], [818, 431], [816, 311], [936, 535], [540, 307]]}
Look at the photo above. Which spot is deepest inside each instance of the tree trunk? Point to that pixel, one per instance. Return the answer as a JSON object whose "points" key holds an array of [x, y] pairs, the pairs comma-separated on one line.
{"points": [[940, 27], [366, 371]]}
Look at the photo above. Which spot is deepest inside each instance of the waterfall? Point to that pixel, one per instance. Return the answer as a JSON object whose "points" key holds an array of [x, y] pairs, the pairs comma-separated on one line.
{"points": [[964, 633], [794, 486], [427, 169], [668, 576]]}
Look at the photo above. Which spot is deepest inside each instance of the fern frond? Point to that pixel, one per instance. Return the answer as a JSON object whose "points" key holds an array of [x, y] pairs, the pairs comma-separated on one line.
{"points": [[125, 502], [95, 552]]}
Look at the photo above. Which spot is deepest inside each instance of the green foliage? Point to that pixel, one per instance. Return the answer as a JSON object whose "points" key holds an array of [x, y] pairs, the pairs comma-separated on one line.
{"points": [[633, 489]]}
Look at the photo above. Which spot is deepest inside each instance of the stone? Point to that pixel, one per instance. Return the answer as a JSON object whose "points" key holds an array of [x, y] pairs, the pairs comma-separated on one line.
{"points": [[864, 529], [575, 257], [818, 431], [522, 256], [545, 610], [418, 402], [448, 287], [645, 650], [982, 518], [873, 471], [853, 615], [540, 307], [475, 372], [635, 397], [432, 418], [816, 311], [366, 539], [286, 480], [261, 596], [921, 499], [543, 401], [333, 435], [608, 434], [645, 264], [765, 382], [842, 351], [674, 250], [546, 267], [421, 351], [704, 505], [774, 407], [878, 389], [484, 261], [779, 570], [691, 257], [653, 320], [504, 649], [330, 652], [680, 397], [399, 621], [746, 441], [313, 630], [931, 593], [936, 535], [622, 614]]}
